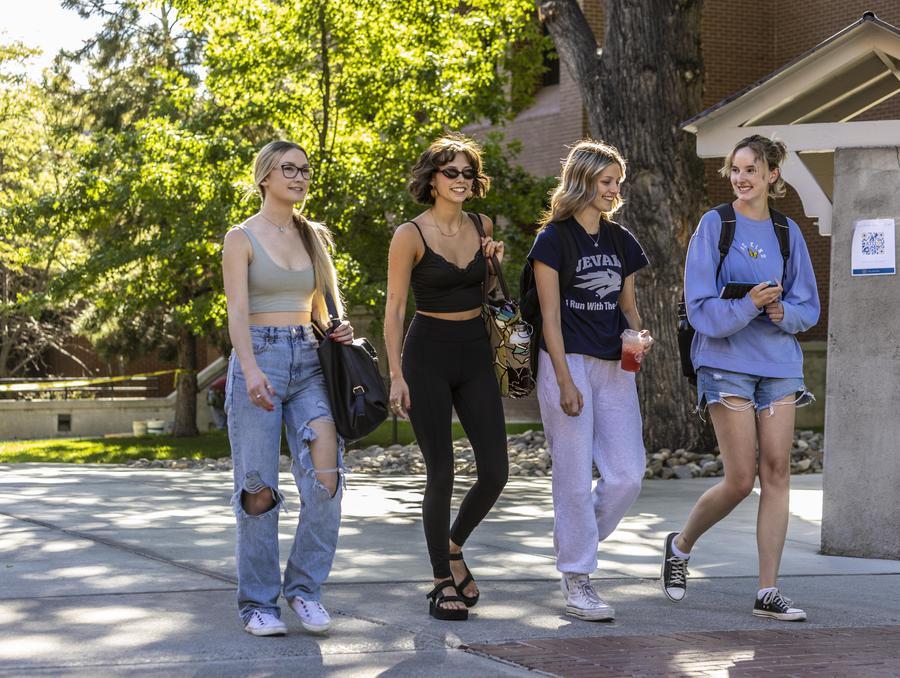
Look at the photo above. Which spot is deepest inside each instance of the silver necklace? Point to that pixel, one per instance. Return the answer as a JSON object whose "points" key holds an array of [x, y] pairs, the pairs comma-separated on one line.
{"points": [[281, 229], [594, 240]]}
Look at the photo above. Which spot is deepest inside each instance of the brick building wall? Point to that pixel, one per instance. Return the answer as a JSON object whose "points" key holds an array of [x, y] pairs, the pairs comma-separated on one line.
{"points": [[742, 43], [547, 128]]}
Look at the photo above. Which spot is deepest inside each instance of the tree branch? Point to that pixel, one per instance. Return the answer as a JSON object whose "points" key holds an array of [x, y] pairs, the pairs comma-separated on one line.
{"points": [[577, 48], [326, 79]]}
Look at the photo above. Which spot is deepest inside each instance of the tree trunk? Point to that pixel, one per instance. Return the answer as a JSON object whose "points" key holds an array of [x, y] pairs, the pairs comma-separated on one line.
{"points": [[648, 79], [186, 385]]}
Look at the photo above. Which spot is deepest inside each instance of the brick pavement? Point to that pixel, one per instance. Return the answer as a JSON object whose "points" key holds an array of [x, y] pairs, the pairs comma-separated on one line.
{"points": [[785, 652]]}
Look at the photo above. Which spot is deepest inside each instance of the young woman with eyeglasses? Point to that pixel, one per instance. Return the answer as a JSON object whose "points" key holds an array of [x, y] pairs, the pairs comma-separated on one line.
{"points": [[447, 362], [277, 270]]}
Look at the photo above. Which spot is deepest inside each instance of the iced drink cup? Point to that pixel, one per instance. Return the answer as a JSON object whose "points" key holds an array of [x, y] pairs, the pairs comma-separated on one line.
{"points": [[633, 346]]}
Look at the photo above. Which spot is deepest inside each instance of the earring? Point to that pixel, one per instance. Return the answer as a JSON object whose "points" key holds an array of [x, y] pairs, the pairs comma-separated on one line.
{"points": [[433, 192]]}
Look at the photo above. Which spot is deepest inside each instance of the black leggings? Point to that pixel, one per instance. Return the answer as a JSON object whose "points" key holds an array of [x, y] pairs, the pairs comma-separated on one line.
{"points": [[448, 363]]}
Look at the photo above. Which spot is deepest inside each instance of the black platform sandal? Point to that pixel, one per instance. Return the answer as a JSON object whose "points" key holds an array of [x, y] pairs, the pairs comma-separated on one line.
{"points": [[436, 599], [468, 601]]}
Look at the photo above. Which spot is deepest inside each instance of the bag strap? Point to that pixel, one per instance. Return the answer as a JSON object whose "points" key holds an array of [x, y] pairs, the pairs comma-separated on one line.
{"points": [[726, 236], [332, 314], [569, 253], [783, 233], [617, 235], [498, 271]]}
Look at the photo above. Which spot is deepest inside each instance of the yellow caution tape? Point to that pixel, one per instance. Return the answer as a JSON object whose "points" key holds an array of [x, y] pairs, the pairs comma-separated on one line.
{"points": [[79, 383]]}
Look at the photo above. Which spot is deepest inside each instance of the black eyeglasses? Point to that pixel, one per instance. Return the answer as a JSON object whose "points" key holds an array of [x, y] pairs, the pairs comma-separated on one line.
{"points": [[291, 171], [451, 173]]}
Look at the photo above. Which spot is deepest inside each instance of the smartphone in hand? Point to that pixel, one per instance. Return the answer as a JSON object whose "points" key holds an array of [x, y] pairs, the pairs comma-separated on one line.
{"points": [[738, 290]]}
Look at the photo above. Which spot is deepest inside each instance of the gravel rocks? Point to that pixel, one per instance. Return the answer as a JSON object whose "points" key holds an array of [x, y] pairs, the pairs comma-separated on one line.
{"points": [[207, 464], [528, 456], [806, 457]]}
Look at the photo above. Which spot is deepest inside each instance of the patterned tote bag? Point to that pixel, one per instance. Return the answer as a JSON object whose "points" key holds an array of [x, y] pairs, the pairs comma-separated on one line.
{"points": [[510, 336]]}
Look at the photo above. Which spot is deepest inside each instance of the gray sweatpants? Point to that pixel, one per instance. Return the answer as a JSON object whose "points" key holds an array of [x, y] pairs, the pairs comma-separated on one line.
{"points": [[607, 433]]}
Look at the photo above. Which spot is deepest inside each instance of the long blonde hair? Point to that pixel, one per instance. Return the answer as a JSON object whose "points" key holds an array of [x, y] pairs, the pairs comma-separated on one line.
{"points": [[577, 186], [316, 237]]}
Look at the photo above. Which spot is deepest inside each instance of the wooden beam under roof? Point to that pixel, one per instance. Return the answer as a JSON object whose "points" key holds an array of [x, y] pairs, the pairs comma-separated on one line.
{"points": [[842, 96]]}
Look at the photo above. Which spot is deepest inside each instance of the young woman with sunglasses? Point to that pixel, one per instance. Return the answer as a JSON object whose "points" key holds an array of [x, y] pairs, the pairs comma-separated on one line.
{"points": [[447, 362], [277, 270]]}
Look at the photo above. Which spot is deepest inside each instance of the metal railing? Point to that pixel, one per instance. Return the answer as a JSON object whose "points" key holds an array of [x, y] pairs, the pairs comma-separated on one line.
{"points": [[138, 386]]}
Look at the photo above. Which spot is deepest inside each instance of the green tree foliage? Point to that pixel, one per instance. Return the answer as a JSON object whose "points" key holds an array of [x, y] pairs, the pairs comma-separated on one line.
{"points": [[153, 191], [182, 92], [32, 248], [142, 62], [365, 87]]}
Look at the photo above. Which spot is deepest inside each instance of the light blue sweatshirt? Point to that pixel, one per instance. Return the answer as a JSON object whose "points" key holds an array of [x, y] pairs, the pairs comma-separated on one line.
{"points": [[732, 334]]}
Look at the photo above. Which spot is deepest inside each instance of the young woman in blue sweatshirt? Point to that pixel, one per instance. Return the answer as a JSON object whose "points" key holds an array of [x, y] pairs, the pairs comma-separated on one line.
{"points": [[749, 365]]}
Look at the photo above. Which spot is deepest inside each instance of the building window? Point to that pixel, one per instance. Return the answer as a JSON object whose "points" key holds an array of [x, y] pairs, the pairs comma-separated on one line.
{"points": [[551, 63], [63, 423]]}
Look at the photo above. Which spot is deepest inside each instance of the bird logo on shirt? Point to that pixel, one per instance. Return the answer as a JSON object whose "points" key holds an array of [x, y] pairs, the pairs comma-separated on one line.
{"points": [[603, 283]]}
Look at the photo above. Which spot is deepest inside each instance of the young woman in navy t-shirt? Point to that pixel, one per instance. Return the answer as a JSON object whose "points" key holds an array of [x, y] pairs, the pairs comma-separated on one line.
{"points": [[589, 404]]}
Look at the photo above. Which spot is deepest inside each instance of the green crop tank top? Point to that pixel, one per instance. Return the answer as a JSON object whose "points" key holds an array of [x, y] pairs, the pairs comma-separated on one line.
{"points": [[271, 288]]}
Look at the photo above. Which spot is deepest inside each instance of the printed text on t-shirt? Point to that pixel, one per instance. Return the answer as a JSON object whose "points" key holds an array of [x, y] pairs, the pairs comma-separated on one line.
{"points": [[600, 281], [591, 305]]}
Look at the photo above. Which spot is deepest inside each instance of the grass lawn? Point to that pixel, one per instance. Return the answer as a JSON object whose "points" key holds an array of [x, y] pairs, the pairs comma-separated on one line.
{"points": [[213, 445], [114, 450]]}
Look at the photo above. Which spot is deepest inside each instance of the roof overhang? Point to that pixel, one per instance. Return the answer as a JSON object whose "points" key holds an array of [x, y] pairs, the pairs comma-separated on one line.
{"points": [[809, 104]]}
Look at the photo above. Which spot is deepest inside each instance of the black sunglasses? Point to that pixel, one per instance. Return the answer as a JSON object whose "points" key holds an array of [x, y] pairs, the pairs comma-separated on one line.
{"points": [[451, 173], [291, 171]]}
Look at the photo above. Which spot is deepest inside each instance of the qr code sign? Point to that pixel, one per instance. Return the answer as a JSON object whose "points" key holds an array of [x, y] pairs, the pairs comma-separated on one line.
{"points": [[873, 243]]}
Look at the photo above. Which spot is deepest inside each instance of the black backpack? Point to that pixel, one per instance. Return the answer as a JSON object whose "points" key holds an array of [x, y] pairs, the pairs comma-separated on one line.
{"points": [[726, 237], [530, 306]]}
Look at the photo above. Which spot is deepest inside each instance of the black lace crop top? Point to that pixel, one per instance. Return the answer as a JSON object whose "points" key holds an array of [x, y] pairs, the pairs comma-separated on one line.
{"points": [[440, 286]]}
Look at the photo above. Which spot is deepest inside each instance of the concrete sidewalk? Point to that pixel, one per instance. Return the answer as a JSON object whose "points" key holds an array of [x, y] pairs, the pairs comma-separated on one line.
{"points": [[114, 571]]}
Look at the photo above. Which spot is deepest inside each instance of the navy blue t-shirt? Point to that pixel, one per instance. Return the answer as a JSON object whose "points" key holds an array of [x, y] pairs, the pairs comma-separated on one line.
{"points": [[589, 313]]}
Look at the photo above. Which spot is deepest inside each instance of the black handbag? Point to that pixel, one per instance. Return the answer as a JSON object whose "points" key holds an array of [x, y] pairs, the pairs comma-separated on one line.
{"points": [[359, 400]]}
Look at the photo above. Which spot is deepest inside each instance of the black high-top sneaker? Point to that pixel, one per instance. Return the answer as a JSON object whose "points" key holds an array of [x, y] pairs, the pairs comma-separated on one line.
{"points": [[776, 606]]}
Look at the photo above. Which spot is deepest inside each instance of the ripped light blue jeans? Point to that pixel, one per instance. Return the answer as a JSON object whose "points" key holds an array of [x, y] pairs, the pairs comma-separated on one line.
{"points": [[287, 356]]}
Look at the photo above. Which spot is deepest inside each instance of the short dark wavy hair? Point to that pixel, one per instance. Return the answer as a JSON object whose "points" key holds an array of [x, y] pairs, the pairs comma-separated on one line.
{"points": [[442, 151]]}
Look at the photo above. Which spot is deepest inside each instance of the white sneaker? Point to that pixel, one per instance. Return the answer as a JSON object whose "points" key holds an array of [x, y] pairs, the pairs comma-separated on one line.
{"points": [[582, 600], [313, 617], [262, 623]]}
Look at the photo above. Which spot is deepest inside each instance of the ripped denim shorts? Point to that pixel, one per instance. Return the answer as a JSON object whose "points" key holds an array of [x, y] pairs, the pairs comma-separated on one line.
{"points": [[739, 391]]}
